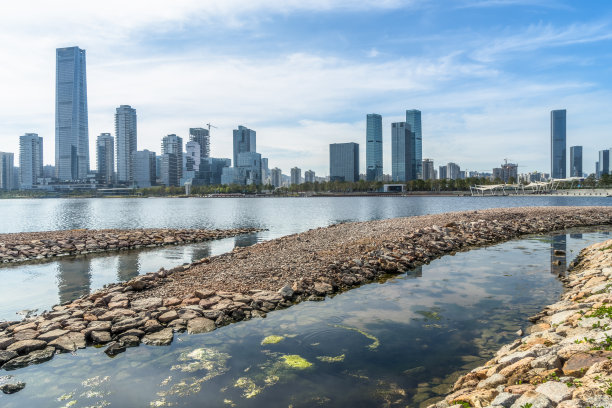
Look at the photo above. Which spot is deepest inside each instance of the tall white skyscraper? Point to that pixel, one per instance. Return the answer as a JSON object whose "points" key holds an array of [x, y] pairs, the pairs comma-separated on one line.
{"points": [[71, 123], [30, 160], [125, 131]]}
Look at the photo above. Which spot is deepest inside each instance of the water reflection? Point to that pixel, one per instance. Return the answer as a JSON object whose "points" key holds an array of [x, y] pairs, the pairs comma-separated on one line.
{"points": [[245, 240], [73, 278], [558, 249], [128, 266]]}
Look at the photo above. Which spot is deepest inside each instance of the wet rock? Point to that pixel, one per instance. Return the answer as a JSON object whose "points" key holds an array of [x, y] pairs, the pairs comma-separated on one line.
{"points": [[161, 338], [34, 357], [127, 324], [132, 332], [536, 400], [6, 355], [6, 341], [69, 342], [114, 348], [25, 346], [151, 326], [130, 341], [200, 325], [286, 292], [11, 387], [100, 337]]}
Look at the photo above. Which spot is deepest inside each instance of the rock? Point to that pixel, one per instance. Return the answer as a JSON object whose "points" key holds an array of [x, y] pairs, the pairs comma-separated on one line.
{"points": [[200, 325], [115, 314], [25, 346], [561, 317], [505, 399], [12, 387], [571, 404], [6, 355], [27, 334], [492, 382], [27, 326], [100, 337], [580, 362], [147, 303], [286, 292], [519, 388], [34, 357], [536, 400], [127, 324], [547, 361], [132, 332], [209, 302], [191, 301], [151, 326], [52, 335], [137, 285], [172, 301], [555, 391], [130, 341], [161, 338], [97, 325], [6, 341], [114, 348], [69, 342], [204, 293], [120, 304], [322, 288], [168, 316]]}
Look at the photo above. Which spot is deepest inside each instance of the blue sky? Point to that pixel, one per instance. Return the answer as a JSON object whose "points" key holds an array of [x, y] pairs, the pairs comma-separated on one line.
{"points": [[303, 74]]}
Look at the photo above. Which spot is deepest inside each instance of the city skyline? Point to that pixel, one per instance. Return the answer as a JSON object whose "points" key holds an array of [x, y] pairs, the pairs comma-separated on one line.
{"points": [[471, 71]]}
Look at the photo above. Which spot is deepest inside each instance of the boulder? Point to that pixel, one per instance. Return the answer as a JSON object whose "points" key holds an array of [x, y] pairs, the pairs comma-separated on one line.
{"points": [[127, 324], [204, 293], [555, 391], [6, 355], [536, 400], [580, 362], [34, 357], [114, 348], [52, 335], [100, 337], [25, 346], [200, 325], [69, 342], [161, 338], [168, 316]]}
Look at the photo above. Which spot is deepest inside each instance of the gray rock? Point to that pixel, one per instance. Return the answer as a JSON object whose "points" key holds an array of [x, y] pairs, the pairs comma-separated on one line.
{"points": [[161, 338], [200, 325], [35, 357], [52, 335], [536, 400], [204, 293], [130, 341], [547, 361], [322, 288], [505, 399], [27, 334], [492, 382], [147, 303], [25, 346], [114, 348], [133, 332], [69, 342], [561, 317], [514, 357], [100, 337], [555, 391], [286, 292], [6, 341], [12, 387], [212, 314], [127, 324], [6, 355], [168, 316]]}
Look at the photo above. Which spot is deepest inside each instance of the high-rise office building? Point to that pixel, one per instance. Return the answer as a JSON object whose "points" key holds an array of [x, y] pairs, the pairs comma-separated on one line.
{"points": [[6, 171], [557, 144], [374, 147], [172, 160], [453, 171], [576, 161], [344, 162], [442, 173], [105, 157], [144, 165], [604, 162], [202, 137], [126, 133], [265, 170], [244, 142], [309, 176], [193, 158], [428, 170], [71, 123], [413, 119], [296, 175], [248, 168], [403, 166], [509, 171], [30, 160], [277, 177]]}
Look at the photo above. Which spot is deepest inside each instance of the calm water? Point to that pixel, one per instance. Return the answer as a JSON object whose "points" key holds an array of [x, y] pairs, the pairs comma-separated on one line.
{"points": [[388, 344]]}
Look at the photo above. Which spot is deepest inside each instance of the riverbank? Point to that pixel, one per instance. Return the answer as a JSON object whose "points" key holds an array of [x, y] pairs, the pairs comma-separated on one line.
{"points": [[565, 360], [27, 246], [250, 282]]}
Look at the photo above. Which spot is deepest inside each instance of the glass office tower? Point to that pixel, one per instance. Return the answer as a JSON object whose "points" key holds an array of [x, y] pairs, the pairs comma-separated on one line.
{"points": [[413, 119], [374, 148], [557, 144]]}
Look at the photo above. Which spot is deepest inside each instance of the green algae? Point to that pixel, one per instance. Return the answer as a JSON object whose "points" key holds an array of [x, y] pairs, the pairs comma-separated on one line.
{"points": [[248, 386], [375, 340], [295, 361], [272, 340], [433, 314], [330, 359], [203, 359]]}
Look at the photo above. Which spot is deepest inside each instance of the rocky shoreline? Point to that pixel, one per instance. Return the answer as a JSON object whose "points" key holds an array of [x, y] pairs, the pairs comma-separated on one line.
{"points": [[27, 246], [565, 360], [250, 282]]}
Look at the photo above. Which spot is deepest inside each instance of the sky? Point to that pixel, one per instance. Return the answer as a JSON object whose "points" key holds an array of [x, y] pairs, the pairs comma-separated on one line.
{"points": [[304, 74]]}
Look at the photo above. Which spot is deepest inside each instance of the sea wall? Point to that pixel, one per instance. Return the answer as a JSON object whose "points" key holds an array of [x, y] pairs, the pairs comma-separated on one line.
{"points": [[250, 282], [27, 246], [565, 358]]}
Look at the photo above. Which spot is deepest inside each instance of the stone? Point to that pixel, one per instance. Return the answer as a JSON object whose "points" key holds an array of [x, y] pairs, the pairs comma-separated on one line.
{"points": [[536, 400], [52, 335], [27, 326], [97, 325], [204, 293], [6, 341], [168, 316], [12, 387], [161, 338], [286, 292], [492, 382], [120, 304], [130, 341], [34, 357], [209, 302], [6, 355], [519, 388], [147, 303], [200, 325], [580, 362], [555, 391], [151, 326], [547, 361], [561, 317], [505, 399], [172, 301], [115, 314], [571, 404], [137, 284], [27, 334], [100, 337], [322, 288], [126, 324], [69, 342], [25, 346], [114, 348], [191, 301], [132, 332]]}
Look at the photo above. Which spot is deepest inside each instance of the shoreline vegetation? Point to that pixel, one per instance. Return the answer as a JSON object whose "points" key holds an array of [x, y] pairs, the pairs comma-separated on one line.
{"points": [[443, 187], [253, 281]]}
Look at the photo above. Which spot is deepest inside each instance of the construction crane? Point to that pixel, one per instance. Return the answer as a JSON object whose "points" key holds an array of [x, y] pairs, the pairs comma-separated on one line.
{"points": [[209, 126]]}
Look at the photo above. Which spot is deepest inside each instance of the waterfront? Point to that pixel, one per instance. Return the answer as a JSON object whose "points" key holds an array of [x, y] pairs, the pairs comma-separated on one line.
{"points": [[398, 347]]}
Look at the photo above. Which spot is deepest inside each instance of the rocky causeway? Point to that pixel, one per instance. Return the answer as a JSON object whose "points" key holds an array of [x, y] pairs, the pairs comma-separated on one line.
{"points": [[27, 246], [250, 282]]}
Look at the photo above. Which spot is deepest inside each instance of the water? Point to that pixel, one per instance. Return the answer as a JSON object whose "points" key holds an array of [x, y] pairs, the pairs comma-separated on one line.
{"points": [[41, 285], [398, 343]]}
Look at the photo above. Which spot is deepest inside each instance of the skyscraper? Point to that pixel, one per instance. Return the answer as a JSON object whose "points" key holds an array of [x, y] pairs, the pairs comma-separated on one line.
{"points": [[557, 144], [576, 161], [144, 164], [30, 160], [277, 177], [604, 162], [105, 157], [309, 176], [428, 170], [344, 162], [71, 123], [452, 171], [202, 137], [126, 133], [413, 119], [172, 160], [296, 175], [403, 166], [374, 147], [6, 171], [244, 142]]}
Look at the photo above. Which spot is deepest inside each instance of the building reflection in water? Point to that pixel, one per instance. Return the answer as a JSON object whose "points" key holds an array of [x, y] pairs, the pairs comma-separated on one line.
{"points": [[245, 240], [558, 257], [576, 236], [199, 252], [415, 273], [128, 266], [73, 278]]}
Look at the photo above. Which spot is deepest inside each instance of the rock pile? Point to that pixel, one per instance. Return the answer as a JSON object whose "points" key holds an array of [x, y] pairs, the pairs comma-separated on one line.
{"points": [[19, 247], [565, 360], [273, 275]]}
